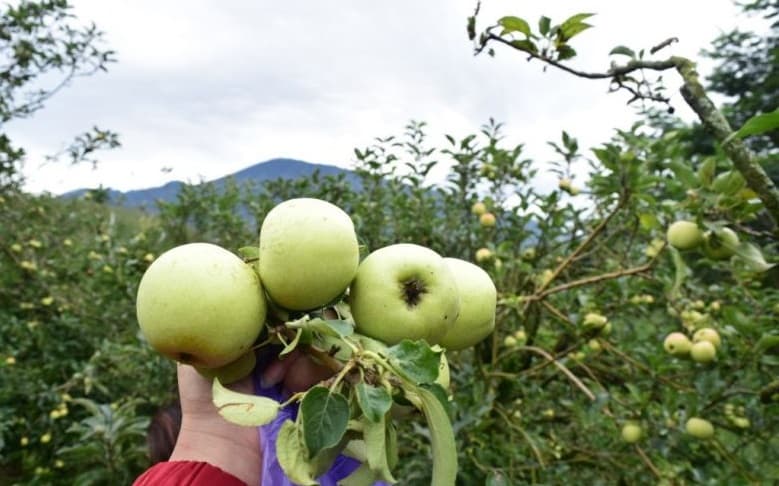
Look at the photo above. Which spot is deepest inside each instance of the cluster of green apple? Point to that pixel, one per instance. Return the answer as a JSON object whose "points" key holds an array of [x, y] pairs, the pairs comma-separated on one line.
{"points": [[202, 305], [702, 348], [718, 244]]}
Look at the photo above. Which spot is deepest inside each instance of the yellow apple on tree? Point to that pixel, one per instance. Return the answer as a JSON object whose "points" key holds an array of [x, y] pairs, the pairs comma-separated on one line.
{"points": [[677, 344], [703, 351], [483, 255], [478, 208], [308, 253], [200, 304], [487, 220], [631, 432], [707, 334], [478, 298], [404, 291], [699, 428]]}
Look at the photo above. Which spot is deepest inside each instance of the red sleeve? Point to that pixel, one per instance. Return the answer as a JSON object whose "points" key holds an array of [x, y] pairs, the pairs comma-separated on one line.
{"points": [[186, 473]]}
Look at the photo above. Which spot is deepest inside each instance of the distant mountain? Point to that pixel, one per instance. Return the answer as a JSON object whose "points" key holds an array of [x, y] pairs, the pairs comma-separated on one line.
{"points": [[263, 171]]}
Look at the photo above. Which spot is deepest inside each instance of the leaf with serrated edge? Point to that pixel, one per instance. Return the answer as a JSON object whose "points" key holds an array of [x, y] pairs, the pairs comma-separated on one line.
{"points": [[753, 257], [374, 401], [362, 476], [375, 434], [325, 417], [415, 360], [241, 408], [442, 438], [292, 455], [333, 327]]}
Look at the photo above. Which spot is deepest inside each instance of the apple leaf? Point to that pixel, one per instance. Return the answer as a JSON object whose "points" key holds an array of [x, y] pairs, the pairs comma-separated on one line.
{"points": [[707, 170], [753, 258], [249, 252], [439, 392], [356, 449], [514, 24], [362, 476], [243, 409], [681, 274], [325, 417], [543, 25], [375, 434], [331, 327], [761, 123], [415, 360], [374, 401], [728, 183], [441, 437], [292, 455], [623, 50], [768, 343]]}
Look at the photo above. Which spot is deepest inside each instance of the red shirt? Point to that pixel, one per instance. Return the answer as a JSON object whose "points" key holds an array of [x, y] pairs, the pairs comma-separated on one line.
{"points": [[186, 473]]}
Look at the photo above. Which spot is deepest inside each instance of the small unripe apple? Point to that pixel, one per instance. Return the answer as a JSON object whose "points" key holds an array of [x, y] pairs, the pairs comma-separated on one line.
{"points": [[594, 345], [684, 235], [720, 245], [677, 344], [529, 254], [699, 428], [520, 336], [631, 432], [703, 352], [593, 320], [483, 255], [479, 208], [231, 372], [564, 184], [707, 334], [509, 341], [487, 220]]}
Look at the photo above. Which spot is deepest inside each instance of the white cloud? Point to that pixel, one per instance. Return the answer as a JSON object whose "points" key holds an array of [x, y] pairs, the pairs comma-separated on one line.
{"points": [[207, 88]]}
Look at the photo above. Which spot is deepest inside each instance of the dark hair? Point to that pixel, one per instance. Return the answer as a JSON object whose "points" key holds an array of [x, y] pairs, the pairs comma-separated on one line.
{"points": [[163, 431]]}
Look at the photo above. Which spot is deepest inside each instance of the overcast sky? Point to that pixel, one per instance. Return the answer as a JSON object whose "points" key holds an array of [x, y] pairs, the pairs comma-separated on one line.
{"points": [[206, 88]]}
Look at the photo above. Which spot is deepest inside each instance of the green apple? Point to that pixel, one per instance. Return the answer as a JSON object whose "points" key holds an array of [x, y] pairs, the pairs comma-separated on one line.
{"points": [[200, 304], [593, 320], [707, 334], [487, 220], [478, 298], [510, 341], [721, 244], [699, 428], [483, 255], [479, 208], [631, 432], [703, 352], [404, 291], [677, 344], [231, 372], [684, 235], [308, 253]]}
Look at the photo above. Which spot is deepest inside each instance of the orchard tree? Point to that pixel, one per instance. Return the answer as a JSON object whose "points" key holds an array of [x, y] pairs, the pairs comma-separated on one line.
{"points": [[44, 47]]}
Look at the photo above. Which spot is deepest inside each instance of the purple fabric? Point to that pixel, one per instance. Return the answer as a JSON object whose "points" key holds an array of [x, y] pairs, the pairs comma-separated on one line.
{"points": [[272, 474]]}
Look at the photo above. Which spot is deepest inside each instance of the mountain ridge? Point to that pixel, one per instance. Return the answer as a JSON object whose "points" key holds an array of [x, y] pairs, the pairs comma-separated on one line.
{"points": [[271, 169]]}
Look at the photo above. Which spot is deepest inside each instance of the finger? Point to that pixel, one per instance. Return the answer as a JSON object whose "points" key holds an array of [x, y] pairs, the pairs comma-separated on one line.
{"points": [[305, 373], [275, 372]]}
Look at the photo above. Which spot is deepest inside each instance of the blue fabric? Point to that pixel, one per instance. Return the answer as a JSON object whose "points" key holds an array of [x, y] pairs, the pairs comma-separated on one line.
{"points": [[272, 473]]}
